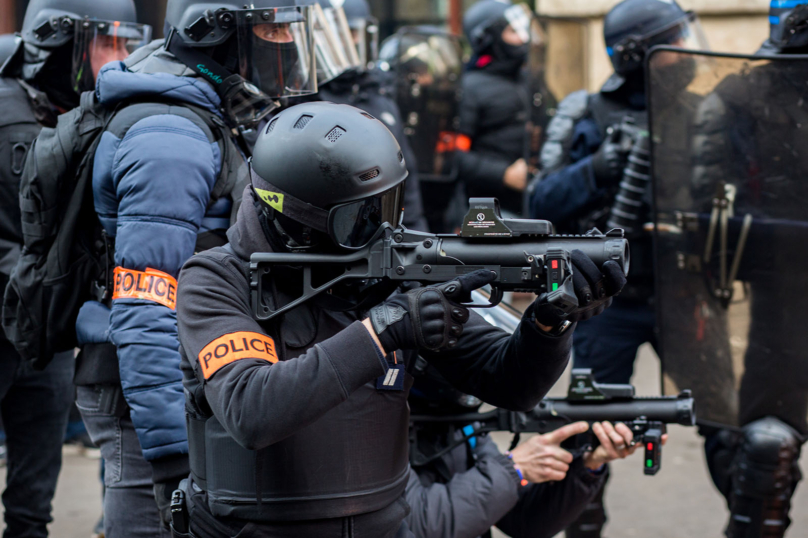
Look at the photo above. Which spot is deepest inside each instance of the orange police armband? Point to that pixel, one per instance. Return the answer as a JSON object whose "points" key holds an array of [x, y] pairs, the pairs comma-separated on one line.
{"points": [[150, 285], [233, 347]]}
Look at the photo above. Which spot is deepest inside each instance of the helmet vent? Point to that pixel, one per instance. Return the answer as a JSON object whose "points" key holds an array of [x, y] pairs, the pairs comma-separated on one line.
{"points": [[373, 174], [303, 121], [335, 135], [400, 157], [368, 115], [271, 126]]}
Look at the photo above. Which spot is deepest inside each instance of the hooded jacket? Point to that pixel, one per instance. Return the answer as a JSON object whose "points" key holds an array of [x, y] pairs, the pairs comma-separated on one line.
{"points": [[152, 184]]}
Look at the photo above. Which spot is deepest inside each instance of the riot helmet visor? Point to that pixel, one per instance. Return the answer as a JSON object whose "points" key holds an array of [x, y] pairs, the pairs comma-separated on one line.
{"points": [[341, 30], [365, 36], [519, 28], [276, 50], [98, 42]]}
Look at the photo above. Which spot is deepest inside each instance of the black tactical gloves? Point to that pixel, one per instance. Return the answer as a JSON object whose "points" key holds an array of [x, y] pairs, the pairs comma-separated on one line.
{"points": [[610, 160], [594, 288], [427, 318]]}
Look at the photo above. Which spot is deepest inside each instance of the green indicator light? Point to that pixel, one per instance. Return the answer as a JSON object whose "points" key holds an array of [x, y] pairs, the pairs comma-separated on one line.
{"points": [[555, 286], [649, 463]]}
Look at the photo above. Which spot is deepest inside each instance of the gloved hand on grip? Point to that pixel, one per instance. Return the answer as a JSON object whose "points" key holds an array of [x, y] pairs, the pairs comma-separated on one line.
{"points": [[594, 288], [610, 160], [430, 318]]}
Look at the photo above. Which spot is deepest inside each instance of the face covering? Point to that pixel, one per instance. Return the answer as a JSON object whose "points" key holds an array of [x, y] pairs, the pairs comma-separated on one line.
{"points": [[508, 59], [276, 67]]}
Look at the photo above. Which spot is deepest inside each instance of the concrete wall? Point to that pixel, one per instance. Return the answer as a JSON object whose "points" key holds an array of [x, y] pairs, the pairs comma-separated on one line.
{"points": [[738, 26]]}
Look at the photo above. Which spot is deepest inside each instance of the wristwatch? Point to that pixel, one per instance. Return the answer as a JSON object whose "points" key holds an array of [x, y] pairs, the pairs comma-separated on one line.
{"points": [[560, 329]]}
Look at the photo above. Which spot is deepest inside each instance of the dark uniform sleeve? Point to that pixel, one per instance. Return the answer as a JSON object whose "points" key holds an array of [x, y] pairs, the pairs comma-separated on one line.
{"points": [[258, 399], [510, 371], [570, 192], [475, 168], [470, 503], [544, 510]]}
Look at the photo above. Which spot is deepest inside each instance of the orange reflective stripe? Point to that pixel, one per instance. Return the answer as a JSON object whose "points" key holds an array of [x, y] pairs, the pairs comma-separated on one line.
{"points": [[150, 285], [236, 346]]}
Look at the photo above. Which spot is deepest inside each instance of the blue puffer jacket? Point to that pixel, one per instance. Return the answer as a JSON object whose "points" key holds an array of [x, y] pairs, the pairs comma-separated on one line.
{"points": [[152, 187]]}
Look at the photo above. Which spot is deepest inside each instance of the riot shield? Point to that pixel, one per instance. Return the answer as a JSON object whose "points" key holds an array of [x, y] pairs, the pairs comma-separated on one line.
{"points": [[730, 185]]}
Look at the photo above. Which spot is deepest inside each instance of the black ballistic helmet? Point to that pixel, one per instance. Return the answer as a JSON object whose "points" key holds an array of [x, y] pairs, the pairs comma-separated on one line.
{"points": [[332, 168], [788, 22], [48, 24], [51, 26], [632, 27]]}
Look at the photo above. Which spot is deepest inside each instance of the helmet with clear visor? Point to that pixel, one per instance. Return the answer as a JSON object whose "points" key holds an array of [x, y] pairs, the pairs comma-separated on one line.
{"points": [[633, 27], [329, 170], [486, 21], [333, 43], [364, 30], [101, 32], [274, 49]]}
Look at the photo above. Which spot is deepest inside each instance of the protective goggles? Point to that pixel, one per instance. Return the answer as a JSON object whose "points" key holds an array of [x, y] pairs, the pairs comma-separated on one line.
{"points": [[98, 42], [351, 225]]}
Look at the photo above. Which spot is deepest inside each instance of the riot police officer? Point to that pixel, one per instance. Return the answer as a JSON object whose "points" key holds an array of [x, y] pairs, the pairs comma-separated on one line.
{"points": [[583, 165], [495, 105], [43, 74], [298, 424]]}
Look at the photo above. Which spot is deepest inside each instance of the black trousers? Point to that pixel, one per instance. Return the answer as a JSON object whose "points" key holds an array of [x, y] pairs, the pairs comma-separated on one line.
{"points": [[35, 406]]}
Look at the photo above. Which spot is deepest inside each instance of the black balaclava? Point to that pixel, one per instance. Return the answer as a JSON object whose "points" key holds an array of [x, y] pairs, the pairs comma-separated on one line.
{"points": [[267, 59], [507, 60]]}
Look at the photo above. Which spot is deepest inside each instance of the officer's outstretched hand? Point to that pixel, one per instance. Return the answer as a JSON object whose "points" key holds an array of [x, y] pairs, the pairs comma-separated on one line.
{"points": [[430, 318], [594, 288]]}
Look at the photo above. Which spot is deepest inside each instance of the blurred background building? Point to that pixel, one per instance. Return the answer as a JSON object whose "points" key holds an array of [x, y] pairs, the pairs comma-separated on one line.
{"points": [[576, 56]]}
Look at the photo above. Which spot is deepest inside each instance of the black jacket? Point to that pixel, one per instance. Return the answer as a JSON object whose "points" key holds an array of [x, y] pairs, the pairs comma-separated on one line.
{"points": [[18, 129], [317, 400], [494, 112]]}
